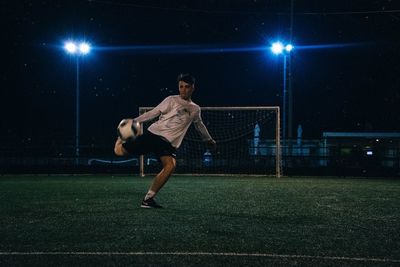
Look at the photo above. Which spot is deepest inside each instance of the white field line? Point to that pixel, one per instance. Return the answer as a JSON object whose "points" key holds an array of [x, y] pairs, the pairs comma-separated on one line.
{"points": [[226, 254]]}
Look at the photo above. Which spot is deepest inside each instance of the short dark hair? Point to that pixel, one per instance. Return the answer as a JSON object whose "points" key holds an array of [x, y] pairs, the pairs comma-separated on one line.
{"points": [[187, 78]]}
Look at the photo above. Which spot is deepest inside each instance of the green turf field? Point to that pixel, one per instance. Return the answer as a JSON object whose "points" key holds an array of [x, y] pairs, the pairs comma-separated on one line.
{"points": [[207, 221]]}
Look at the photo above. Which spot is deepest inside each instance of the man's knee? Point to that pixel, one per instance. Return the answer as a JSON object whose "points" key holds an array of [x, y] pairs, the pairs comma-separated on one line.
{"points": [[169, 164], [119, 150]]}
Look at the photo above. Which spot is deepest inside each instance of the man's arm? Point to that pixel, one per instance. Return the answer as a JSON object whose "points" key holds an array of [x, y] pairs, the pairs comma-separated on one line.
{"points": [[155, 112], [202, 129]]}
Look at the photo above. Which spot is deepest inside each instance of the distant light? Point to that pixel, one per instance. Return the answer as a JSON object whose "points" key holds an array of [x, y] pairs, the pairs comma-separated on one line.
{"points": [[277, 48], [289, 48], [73, 48], [370, 153], [70, 47], [84, 48]]}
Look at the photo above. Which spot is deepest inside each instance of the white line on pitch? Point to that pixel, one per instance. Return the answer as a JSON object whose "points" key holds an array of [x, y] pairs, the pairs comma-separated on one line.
{"points": [[232, 254]]}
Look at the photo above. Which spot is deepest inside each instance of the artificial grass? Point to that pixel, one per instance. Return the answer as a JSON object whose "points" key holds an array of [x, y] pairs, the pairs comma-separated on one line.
{"points": [[317, 217]]}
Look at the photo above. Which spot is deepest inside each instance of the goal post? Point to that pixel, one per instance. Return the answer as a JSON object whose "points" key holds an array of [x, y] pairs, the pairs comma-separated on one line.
{"points": [[248, 142]]}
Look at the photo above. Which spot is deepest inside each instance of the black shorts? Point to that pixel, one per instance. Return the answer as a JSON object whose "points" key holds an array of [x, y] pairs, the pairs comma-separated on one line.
{"points": [[150, 143]]}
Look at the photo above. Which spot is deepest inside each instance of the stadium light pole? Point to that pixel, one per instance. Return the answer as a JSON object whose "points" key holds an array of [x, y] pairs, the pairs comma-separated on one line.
{"points": [[277, 49], [77, 49]]}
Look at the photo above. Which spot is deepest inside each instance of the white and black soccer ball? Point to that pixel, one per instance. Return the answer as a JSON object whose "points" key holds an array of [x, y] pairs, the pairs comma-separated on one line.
{"points": [[128, 129]]}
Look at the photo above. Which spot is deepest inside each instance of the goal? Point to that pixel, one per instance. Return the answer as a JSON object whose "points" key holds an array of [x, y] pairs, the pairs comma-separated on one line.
{"points": [[248, 142]]}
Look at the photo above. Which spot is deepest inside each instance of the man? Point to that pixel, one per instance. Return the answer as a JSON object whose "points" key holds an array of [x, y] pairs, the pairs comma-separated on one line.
{"points": [[175, 114]]}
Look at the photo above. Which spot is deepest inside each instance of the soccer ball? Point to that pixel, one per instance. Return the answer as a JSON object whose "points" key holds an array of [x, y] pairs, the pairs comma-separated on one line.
{"points": [[128, 129]]}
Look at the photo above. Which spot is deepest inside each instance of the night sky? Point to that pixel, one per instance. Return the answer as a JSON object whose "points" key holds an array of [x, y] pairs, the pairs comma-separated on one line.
{"points": [[353, 85]]}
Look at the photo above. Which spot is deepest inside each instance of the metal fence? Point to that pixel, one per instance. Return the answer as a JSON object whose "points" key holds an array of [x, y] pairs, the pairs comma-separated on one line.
{"points": [[328, 156]]}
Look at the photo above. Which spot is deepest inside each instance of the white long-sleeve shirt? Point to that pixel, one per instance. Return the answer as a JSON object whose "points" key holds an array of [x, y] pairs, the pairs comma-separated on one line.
{"points": [[175, 116]]}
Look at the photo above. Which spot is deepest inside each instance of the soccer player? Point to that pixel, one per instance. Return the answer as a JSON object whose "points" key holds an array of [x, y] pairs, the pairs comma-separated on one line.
{"points": [[175, 114]]}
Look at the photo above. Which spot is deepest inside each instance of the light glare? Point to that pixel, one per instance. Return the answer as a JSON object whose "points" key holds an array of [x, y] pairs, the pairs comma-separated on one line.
{"points": [[277, 48], [289, 47], [84, 48], [70, 47]]}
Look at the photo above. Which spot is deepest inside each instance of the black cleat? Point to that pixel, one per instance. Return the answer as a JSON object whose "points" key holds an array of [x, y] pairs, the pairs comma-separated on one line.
{"points": [[150, 204]]}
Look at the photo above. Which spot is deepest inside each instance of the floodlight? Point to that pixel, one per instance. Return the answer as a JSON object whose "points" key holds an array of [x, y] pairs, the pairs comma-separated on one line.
{"points": [[84, 48], [277, 48], [288, 47], [78, 50], [70, 47]]}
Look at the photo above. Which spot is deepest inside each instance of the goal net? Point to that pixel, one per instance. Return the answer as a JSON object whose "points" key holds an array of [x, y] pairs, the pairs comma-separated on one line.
{"points": [[248, 142]]}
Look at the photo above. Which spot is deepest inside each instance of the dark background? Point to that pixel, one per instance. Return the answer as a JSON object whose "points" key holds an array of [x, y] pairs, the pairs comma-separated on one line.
{"points": [[352, 87]]}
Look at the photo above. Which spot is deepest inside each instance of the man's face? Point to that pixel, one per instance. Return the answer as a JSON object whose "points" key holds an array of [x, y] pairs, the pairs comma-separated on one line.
{"points": [[185, 90]]}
